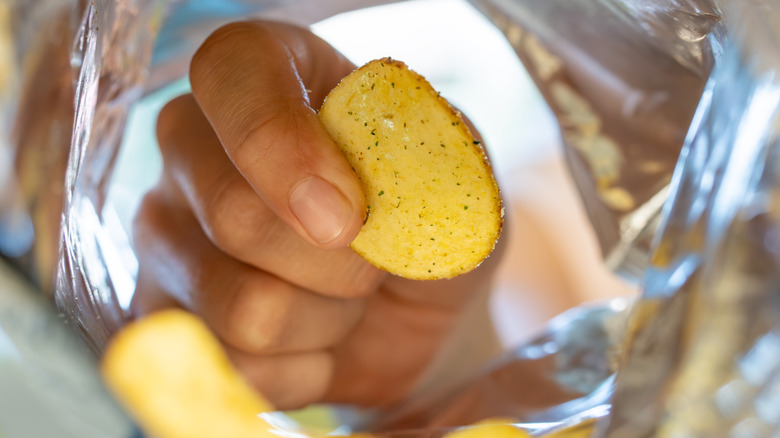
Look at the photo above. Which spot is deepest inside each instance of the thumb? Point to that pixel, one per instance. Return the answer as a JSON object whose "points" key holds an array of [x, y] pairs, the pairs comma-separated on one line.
{"points": [[255, 82]]}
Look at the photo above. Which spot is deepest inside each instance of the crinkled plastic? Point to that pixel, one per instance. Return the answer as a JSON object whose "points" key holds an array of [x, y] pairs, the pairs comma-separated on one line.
{"points": [[36, 112], [624, 78], [76, 67], [703, 351], [561, 378], [701, 354]]}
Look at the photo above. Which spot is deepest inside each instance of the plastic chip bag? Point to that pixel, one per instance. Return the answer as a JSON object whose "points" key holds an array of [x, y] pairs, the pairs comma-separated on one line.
{"points": [[703, 356], [623, 78], [699, 353]]}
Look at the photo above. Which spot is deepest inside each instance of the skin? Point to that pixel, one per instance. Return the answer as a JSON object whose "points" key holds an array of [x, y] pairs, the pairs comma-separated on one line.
{"points": [[249, 228]]}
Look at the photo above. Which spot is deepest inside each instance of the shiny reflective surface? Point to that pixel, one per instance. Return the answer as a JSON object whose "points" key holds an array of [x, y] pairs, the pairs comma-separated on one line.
{"points": [[623, 78], [703, 355], [702, 345]]}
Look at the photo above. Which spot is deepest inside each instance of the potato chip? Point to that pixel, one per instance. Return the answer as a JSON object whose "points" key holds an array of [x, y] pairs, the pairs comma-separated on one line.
{"points": [[434, 208], [489, 430], [171, 374]]}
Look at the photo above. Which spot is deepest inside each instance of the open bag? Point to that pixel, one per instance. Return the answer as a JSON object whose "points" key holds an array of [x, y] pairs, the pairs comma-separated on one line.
{"points": [[670, 116]]}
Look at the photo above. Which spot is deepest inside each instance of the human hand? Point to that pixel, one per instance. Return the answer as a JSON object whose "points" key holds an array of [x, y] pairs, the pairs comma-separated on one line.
{"points": [[249, 226]]}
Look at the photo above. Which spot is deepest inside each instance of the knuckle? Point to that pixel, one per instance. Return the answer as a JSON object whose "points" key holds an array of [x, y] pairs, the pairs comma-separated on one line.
{"points": [[219, 218], [261, 122], [258, 318], [146, 213], [172, 119], [167, 121], [150, 223], [234, 217]]}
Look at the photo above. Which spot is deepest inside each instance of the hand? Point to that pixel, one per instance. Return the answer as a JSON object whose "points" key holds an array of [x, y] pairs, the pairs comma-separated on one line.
{"points": [[249, 226]]}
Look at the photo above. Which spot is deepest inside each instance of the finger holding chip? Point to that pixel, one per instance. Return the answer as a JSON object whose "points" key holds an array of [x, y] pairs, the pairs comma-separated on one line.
{"points": [[434, 207], [263, 114], [223, 235], [238, 221]]}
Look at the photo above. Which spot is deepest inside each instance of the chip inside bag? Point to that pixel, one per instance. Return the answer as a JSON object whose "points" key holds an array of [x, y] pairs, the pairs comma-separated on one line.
{"points": [[434, 207]]}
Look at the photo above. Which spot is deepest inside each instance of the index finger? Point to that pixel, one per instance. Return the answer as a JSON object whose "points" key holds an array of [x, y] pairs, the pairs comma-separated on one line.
{"points": [[258, 84]]}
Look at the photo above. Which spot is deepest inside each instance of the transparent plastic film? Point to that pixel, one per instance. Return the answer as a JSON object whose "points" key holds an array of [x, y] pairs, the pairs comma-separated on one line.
{"points": [[36, 112], [703, 357], [677, 169], [112, 46], [623, 78]]}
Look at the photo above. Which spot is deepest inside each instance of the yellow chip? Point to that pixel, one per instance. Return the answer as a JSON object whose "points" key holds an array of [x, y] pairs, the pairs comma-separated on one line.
{"points": [[434, 208], [489, 430], [173, 377]]}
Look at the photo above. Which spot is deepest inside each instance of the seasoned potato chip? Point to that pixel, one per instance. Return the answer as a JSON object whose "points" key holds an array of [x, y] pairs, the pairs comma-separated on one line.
{"points": [[173, 377], [434, 208]]}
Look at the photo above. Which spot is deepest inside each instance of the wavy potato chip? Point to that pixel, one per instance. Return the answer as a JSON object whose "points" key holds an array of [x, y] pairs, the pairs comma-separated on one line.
{"points": [[434, 208]]}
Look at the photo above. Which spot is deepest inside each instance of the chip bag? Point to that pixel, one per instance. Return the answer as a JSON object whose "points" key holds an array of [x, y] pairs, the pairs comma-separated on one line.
{"points": [[669, 115]]}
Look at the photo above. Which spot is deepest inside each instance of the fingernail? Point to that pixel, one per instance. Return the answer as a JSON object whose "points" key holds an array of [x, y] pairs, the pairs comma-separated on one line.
{"points": [[321, 208]]}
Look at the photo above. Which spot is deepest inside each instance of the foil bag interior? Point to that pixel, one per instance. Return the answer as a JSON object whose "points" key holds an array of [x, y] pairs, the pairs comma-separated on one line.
{"points": [[670, 115]]}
